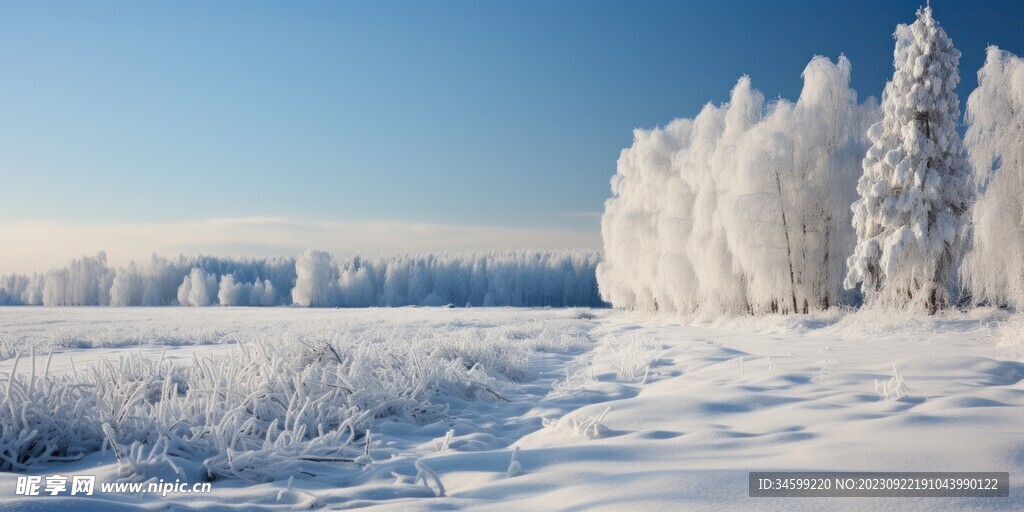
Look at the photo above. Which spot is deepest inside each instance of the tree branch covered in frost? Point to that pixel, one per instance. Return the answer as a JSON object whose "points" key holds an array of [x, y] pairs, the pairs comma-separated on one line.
{"points": [[916, 186], [744, 208], [315, 278], [992, 269]]}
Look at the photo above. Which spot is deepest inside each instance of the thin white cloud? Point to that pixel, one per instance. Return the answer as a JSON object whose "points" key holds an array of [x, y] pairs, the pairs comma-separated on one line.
{"points": [[37, 246], [585, 215]]}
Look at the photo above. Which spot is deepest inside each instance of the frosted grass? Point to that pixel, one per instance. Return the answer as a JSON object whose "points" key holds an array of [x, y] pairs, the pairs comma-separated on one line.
{"points": [[278, 403]]}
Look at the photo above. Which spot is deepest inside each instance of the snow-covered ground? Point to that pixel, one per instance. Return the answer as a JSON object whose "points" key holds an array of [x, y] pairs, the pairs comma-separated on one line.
{"points": [[547, 409]]}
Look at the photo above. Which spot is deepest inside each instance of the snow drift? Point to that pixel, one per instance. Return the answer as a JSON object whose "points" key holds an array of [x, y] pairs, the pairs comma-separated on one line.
{"points": [[744, 208]]}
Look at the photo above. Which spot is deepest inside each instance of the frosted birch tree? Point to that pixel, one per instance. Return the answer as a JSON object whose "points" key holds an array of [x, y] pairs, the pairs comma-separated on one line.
{"points": [[198, 288], [742, 209], [993, 270]]}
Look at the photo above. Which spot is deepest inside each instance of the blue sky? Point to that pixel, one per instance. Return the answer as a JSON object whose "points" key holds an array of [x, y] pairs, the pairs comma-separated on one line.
{"points": [[500, 118]]}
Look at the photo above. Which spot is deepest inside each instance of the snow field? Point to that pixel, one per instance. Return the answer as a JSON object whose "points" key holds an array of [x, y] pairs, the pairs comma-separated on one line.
{"points": [[533, 409], [276, 401]]}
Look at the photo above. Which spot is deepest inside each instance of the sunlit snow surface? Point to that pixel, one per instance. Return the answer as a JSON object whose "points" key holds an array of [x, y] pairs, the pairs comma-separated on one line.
{"points": [[609, 410]]}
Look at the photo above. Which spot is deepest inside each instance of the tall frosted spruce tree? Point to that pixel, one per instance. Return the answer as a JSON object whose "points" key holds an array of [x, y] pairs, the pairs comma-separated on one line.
{"points": [[916, 184]]}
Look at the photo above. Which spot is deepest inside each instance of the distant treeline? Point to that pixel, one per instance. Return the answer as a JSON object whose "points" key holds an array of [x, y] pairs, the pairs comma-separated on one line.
{"points": [[315, 278]]}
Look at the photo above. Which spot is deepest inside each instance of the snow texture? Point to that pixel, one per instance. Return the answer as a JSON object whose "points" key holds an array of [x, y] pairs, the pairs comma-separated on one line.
{"points": [[472, 409], [916, 187], [742, 209], [992, 269], [273, 404]]}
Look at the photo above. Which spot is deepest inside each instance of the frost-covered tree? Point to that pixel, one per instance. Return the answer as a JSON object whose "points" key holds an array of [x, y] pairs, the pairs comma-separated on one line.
{"points": [[500, 278], [396, 283], [231, 293], [503, 278], [234, 293], [12, 289], [916, 184], [355, 286], [83, 282], [198, 288], [263, 294], [129, 287], [150, 283], [993, 269], [317, 280], [742, 209], [33, 294], [419, 281]]}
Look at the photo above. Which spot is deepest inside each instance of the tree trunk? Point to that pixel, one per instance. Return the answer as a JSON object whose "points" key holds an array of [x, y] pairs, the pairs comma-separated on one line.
{"points": [[789, 249]]}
